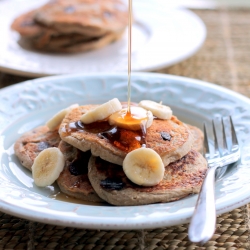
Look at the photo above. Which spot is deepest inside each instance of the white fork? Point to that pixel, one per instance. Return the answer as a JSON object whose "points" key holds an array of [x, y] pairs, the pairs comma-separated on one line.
{"points": [[202, 225]]}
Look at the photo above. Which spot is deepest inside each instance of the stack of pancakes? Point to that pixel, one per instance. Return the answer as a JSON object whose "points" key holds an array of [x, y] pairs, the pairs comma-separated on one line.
{"points": [[73, 25], [93, 164]]}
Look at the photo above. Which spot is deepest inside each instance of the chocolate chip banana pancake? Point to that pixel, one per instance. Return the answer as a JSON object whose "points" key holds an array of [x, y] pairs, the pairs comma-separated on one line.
{"points": [[26, 26], [30, 144], [43, 37], [171, 139], [50, 42], [197, 138], [33, 33], [59, 41], [78, 44], [74, 180], [181, 178], [89, 17]]}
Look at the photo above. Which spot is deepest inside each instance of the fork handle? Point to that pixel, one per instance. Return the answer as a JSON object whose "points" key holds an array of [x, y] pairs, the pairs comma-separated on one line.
{"points": [[202, 225]]}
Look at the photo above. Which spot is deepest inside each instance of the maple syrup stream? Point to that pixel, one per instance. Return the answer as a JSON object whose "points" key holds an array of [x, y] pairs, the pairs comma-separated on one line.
{"points": [[129, 115], [129, 53]]}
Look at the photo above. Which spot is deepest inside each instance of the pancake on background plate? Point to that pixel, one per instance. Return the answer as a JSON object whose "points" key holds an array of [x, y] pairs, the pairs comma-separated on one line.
{"points": [[88, 17], [26, 26], [72, 26], [75, 43]]}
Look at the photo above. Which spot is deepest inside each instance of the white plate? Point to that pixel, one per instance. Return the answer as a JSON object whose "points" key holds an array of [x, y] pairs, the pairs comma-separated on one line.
{"points": [[162, 36], [27, 105]]}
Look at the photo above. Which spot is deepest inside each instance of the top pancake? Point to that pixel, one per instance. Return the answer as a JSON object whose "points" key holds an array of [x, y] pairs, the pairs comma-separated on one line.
{"points": [[179, 144], [27, 27], [92, 17]]}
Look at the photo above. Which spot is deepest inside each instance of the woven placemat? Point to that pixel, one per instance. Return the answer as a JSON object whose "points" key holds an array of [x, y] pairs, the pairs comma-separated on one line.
{"points": [[224, 59], [231, 233]]}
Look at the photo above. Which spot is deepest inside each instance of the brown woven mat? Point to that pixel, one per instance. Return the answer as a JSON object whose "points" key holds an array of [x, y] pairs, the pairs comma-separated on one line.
{"points": [[225, 60], [231, 233]]}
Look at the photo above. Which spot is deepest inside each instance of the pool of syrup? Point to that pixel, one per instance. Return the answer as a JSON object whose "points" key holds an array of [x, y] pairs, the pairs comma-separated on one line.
{"points": [[63, 197]]}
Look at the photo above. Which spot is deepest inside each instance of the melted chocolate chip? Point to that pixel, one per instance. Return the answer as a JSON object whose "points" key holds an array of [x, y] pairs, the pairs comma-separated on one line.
{"points": [[42, 145], [69, 9], [110, 134], [95, 127], [165, 136], [107, 14], [80, 165], [112, 184], [27, 23]]}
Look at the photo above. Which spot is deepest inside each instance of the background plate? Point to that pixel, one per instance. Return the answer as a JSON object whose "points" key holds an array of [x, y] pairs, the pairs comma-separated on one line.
{"points": [[30, 104], [162, 36]]}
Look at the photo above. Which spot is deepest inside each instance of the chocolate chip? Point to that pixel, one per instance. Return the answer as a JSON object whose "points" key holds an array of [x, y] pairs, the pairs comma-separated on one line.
{"points": [[27, 23], [165, 136], [112, 184], [69, 9], [80, 165], [77, 168], [107, 14]]}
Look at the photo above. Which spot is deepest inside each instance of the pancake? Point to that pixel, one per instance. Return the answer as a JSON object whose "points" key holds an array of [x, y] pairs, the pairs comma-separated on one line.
{"points": [[181, 178], [27, 27], [198, 137], [76, 44], [89, 17], [31, 31], [171, 139], [56, 41], [72, 26], [30, 144], [73, 180]]}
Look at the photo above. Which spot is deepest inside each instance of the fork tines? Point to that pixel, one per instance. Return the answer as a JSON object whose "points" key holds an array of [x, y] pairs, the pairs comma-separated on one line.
{"points": [[228, 144]]}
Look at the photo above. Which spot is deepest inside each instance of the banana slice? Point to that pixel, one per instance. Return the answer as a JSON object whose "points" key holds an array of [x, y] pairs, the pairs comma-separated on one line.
{"points": [[132, 121], [144, 167], [101, 112], [47, 166], [56, 120], [161, 111]]}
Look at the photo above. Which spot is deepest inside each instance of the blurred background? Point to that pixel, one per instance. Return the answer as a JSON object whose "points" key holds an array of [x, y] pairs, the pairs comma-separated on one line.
{"points": [[213, 3], [226, 23]]}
